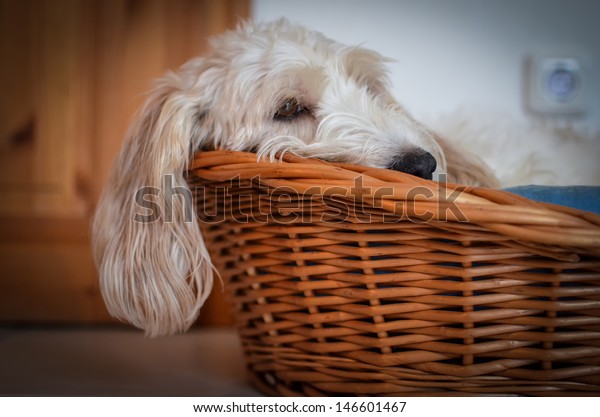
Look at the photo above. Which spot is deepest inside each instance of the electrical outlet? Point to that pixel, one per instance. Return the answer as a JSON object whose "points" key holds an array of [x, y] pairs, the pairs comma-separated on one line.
{"points": [[555, 85]]}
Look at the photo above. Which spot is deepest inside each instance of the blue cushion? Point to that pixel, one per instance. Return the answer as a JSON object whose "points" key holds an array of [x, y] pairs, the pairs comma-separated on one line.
{"points": [[581, 197]]}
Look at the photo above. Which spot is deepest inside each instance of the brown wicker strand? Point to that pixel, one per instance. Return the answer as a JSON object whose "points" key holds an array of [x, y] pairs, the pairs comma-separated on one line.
{"points": [[349, 280]]}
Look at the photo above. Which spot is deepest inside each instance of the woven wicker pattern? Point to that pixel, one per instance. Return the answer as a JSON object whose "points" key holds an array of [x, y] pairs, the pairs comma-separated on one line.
{"points": [[358, 281]]}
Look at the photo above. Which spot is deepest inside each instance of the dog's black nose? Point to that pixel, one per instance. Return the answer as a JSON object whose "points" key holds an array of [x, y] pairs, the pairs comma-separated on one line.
{"points": [[416, 162]]}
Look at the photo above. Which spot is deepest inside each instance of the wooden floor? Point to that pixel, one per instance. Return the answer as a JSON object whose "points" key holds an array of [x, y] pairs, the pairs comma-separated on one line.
{"points": [[120, 362]]}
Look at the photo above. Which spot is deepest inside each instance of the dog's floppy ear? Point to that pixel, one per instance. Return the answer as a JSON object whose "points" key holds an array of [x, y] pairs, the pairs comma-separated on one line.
{"points": [[155, 271]]}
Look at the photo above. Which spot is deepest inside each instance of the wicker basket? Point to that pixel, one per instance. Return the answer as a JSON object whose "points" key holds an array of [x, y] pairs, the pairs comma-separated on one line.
{"points": [[349, 280]]}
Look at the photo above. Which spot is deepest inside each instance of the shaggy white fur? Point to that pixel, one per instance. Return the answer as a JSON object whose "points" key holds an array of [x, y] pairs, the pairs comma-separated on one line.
{"points": [[271, 89], [520, 153]]}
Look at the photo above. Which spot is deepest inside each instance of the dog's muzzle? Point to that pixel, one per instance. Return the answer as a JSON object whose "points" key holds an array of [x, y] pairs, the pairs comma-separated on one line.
{"points": [[416, 162]]}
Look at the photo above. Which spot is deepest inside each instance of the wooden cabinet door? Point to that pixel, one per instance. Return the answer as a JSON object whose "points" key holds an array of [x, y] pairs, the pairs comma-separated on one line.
{"points": [[73, 74]]}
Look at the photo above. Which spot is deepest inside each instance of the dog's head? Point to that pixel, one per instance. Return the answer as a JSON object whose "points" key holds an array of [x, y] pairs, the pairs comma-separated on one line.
{"points": [[280, 88], [266, 88]]}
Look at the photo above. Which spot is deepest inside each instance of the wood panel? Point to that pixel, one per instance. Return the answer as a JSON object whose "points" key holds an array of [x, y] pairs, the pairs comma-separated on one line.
{"points": [[73, 74], [137, 42], [46, 54], [49, 288]]}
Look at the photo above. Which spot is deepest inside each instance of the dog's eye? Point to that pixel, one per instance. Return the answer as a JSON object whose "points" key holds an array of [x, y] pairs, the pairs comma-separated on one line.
{"points": [[290, 109]]}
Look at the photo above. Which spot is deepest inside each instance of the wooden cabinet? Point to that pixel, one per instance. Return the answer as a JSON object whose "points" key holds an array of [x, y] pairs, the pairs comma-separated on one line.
{"points": [[72, 74]]}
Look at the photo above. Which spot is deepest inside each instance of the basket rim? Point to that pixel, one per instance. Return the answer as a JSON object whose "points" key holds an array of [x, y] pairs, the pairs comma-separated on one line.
{"points": [[500, 211]]}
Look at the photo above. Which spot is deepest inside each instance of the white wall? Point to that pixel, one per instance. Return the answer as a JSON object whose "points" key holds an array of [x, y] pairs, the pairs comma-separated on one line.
{"points": [[460, 54]]}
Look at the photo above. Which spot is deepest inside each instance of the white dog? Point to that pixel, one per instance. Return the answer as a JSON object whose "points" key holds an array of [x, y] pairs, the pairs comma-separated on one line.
{"points": [[538, 151], [270, 89]]}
